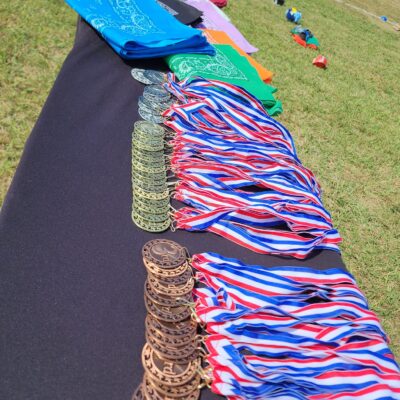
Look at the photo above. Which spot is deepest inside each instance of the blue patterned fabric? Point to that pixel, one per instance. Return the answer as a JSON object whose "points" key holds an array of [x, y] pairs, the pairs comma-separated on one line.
{"points": [[140, 28]]}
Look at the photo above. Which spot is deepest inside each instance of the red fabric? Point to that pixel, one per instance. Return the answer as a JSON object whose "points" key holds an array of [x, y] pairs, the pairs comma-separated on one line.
{"points": [[220, 3], [303, 43], [299, 40]]}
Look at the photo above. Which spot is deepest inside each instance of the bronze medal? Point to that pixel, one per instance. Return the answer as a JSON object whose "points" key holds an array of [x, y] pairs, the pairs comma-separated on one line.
{"points": [[150, 393], [179, 355], [164, 253], [171, 289], [166, 372], [168, 314], [178, 280], [166, 301], [183, 328], [163, 273], [187, 391], [171, 341]]}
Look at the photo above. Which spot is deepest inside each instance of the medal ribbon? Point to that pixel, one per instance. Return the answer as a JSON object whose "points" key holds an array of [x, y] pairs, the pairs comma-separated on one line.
{"points": [[225, 142], [291, 333]]}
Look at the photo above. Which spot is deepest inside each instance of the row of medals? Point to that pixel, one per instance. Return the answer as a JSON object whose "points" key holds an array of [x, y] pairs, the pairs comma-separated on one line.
{"points": [[151, 202], [171, 355]]}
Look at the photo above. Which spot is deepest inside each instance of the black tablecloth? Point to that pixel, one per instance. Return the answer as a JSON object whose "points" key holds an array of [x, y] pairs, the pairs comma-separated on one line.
{"points": [[71, 276]]}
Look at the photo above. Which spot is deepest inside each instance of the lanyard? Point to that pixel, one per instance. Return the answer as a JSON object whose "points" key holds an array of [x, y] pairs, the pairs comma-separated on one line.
{"points": [[224, 143], [291, 333]]}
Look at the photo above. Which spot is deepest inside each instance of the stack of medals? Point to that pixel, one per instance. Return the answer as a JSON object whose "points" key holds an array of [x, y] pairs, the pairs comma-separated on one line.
{"points": [[155, 99], [170, 357], [150, 208]]}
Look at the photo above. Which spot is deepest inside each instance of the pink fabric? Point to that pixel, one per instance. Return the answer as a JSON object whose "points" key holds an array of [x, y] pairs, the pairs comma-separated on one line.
{"points": [[214, 18]]}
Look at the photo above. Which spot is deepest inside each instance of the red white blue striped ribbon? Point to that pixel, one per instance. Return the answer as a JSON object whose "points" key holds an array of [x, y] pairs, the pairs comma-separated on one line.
{"points": [[291, 333], [225, 143]]}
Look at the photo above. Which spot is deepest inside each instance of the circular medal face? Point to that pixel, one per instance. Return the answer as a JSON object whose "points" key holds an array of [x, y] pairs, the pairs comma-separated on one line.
{"points": [[179, 355], [150, 226], [162, 273], [166, 300], [138, 394], [156, 93], [150, 117], [166, 372], [168, 314], [164, 253], [138, 74], [188, 391], [149, 128], [169, 341], [171, 289], [156, 77]]}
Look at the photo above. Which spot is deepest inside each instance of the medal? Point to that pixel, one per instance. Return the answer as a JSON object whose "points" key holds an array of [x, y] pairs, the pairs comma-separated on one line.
{"points": [[183, 392], [167, 314], [186, 327], [138, 74], [150, 117], [170, 289], [164, 253], [156, 93], [149, 225], [151, 393], [166, 301], [148, 128], [180, 355], [163, 273], [169, 341], [166, 372], [155, 77]]}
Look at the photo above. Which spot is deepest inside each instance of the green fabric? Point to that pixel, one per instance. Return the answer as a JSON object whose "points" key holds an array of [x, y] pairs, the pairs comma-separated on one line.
{"points": [[313, 41], [276, 109], [227, 66]]}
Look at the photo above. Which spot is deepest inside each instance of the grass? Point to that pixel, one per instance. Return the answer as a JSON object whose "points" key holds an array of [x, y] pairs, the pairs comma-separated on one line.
{"points": [[344, 120]]}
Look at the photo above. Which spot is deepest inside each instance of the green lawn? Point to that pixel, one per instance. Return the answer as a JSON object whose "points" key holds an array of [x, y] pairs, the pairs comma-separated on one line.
{"points": [[345, 120]]}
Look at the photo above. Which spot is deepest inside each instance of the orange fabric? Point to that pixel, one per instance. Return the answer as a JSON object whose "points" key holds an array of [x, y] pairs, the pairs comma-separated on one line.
{"points": [[220, 37], [299, 40]]}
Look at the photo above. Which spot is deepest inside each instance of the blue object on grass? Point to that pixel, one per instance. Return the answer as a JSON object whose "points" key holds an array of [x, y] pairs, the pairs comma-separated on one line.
{"points": [[384, 18], [293, 15]]}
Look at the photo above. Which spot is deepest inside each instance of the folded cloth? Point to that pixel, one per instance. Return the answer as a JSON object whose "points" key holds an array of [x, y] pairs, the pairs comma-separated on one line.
{"points": [[214, 18], [220, 37], [226, 66], [140, 28], [183, 12], [304, 37], [220, 3]]}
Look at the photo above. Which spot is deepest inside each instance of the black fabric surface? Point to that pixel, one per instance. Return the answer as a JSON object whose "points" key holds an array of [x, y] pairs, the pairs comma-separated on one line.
{"points": [[71, 276], [183, 12]]}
